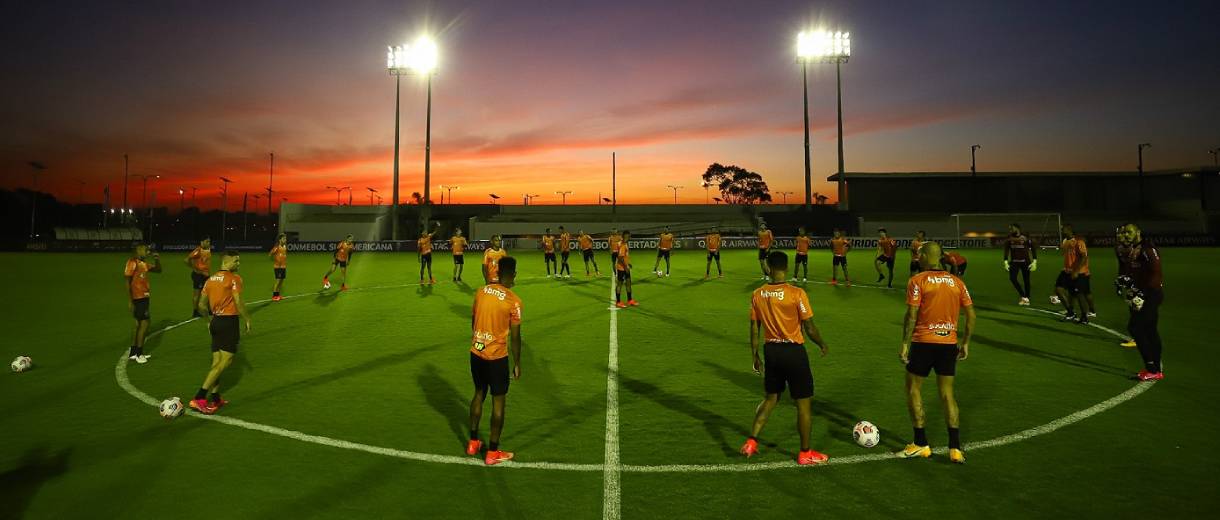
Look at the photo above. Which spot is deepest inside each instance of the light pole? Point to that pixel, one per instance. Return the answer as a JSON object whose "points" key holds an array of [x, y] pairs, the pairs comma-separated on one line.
{"points": [[372, 192], [675, 188], [1215, 159], [419, 58], [270, 182], [450, 190], [529, 199], [125, 171], [181, 201], [224, 207], [144, 197], [564, 195], [81, 186], [707, 192], [339, 190], [825, 47], [785, 195], [38, 168], [973, 147], [1141, 171]]}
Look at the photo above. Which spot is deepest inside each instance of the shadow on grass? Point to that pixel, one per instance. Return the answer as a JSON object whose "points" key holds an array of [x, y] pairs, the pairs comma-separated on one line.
{"points": [[1063, 328], [1051, 356], [153, 341], [447, 402], [715, 424], [325, 298], [424, 290], [341, 373], [32, 471]]}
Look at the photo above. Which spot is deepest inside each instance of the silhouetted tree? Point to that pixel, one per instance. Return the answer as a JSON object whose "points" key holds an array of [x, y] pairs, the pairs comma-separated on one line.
{"points": [[737, 185]]}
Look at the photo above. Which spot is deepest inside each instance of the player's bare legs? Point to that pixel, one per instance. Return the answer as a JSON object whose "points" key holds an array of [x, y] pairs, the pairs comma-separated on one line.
{"points": [[137, 335], [915, 400], [944, 385], [497, 418], [476, 411], [220, 361], [763, 412], [804, 421], [1065, 299]]}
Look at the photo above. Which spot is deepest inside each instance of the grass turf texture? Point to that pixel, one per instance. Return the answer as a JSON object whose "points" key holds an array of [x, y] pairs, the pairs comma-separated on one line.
{"points": [[388, 367]]}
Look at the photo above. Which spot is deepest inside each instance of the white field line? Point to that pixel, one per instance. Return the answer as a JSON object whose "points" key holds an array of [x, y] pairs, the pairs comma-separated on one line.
{"points": [[612, 486]]}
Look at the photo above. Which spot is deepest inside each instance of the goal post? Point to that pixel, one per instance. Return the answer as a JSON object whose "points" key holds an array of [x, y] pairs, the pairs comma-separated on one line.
{"points": [[1044, 228]]}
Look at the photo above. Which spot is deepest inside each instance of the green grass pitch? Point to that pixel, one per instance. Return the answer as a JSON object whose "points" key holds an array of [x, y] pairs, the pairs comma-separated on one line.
{"points": [[385, 365]]}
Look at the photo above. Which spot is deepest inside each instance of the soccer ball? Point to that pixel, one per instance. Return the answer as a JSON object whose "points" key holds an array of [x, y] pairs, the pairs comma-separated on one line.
{"points": [[866, 434], [326, 285], [171, 408], [1054, 300], [21, 364]]}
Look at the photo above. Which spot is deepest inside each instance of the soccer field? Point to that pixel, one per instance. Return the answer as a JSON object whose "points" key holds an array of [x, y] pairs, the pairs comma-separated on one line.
{"points": [[354, 404]]}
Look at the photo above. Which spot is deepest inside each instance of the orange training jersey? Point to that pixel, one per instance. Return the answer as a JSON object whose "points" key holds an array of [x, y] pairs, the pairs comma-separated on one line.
{"points": [[491, 259], [343, 251], [565, 242], [888, 246], [457, 245], [201, 260], [802, 245], [586, 242], [666, 242], [764, 239], [220, 289], [279, 257], [1073, 249], [713, 243], [955, 258], [624, 257], [496, 308], [548, 244], [137, 269], [781, 308], [839, 246], [615, 239], [940, 297], [425, 244], [915, 245]]}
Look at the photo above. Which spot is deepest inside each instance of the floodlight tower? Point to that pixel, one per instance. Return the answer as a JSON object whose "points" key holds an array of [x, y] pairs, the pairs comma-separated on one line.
{"points": [[973, 147], [675, 188], [1215, 158], [38, 168], [224, 207], [372, 192], [450, 189], [419, 58], [785, 195], [564, 194], [824, 47]]}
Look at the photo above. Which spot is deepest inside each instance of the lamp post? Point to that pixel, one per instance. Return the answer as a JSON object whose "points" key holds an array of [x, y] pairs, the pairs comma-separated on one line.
{"points": [[125, 171], [270, 182], [564, 195], [825, 47], [450, 190], [1215, 159], [785, 195], [529, 199], [973, 147], [372, 193], [707, 192], [1141, 171], [181, 201], [339, 190], [675, 188], [224, 207], [144, 197], [419, 58], [38, 168]]}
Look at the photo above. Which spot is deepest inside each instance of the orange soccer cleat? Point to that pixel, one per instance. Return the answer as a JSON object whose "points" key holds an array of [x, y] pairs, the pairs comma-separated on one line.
{"points": [[750, 448], [810, 457], [621, 305], [633, 303], [472, 447], [202, 406], [497, 456]]}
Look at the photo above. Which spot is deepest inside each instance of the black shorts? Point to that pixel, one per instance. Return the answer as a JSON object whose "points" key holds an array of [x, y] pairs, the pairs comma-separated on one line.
{"points": [[624, 276], [663, 254], [787, 364], [960, 269], [197, 280], [226, 333], [281, 273], [887, 260], [425, 258], [613, 258], [587, 254], [713, 254], [1066, 282], [802, 260], [139, 309], [564, 255], [838, 260], [489, 375], [1082, 284], [341, 263], [762, 253], [924, 357], [915, 267], [549, 257]]}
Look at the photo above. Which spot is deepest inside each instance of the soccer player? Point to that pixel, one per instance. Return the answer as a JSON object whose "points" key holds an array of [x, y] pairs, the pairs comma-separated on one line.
{"points": [[425, 252], [887, 249], [548, 252], [457, 244], [765, 237], [916, 244], [491, 260], [279, 262], [613, 241], [665, 242], [930, 341], [1122, 250], [496, 333], [222, 297], [1072, 286], [138, 292], [713, 251], [780, 313], [802, 255], [839, 246], [1145, 301], [586, 252], [955, 263], [1020, 256], [622, 266], [565, 249], [343, 252], [200, 261]]}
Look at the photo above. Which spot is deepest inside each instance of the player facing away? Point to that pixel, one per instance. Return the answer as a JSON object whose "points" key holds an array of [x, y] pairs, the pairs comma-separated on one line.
{"points": [[565, 250], [548, 252], [930, 341], [916, 244], [343, 252], [1020, 257], [496, 331], [887, 249], [1072, 286], [279, 265], [765, 237], [1144, 300], [1122, 251], [954, 262], [222, 297], [713, 251], [491, 260], [839, 246], [803, 241], [138, 292], [614, 240], [425, 253], [622, 267], [200, 260], [457, 244], [781, 314], [665, 243], [586, 252]]}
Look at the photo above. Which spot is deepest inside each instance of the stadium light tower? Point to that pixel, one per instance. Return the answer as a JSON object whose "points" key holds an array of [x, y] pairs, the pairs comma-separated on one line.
{"points": [[450, 189], [824, 47], [338, 191], [144, 197], [564, 195], [529, 198], [224, 207], [419, 58], [38, 168], [181, 200], [973, 147], [675, 188]]}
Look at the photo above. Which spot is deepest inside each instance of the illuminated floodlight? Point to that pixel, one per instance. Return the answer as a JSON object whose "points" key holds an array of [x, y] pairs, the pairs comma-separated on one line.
{"points": [[824, 46], [419, 57]]}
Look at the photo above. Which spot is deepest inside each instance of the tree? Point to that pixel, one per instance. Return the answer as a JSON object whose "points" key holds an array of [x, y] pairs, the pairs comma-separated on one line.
{"points": [[737, 185], [416, 198]]}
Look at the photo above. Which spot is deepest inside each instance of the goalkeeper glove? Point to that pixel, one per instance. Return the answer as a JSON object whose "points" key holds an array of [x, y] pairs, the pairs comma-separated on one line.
{"points": [[1137, 303], [1006, 265], [1033, 266]]}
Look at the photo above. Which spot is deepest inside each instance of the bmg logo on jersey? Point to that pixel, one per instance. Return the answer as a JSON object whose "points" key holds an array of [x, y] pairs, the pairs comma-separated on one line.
{"points": [[501, 295], [943, 279], [778, 295]]}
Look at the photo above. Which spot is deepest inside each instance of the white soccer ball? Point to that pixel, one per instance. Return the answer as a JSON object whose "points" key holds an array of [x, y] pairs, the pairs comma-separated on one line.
{"points": [[326, 285], [866, 434], [1054, 300], [21, 364], [171, 408]]}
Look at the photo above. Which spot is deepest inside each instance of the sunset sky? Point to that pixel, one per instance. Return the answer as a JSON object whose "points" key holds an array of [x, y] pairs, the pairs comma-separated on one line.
{"points": [[532, 97]]}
